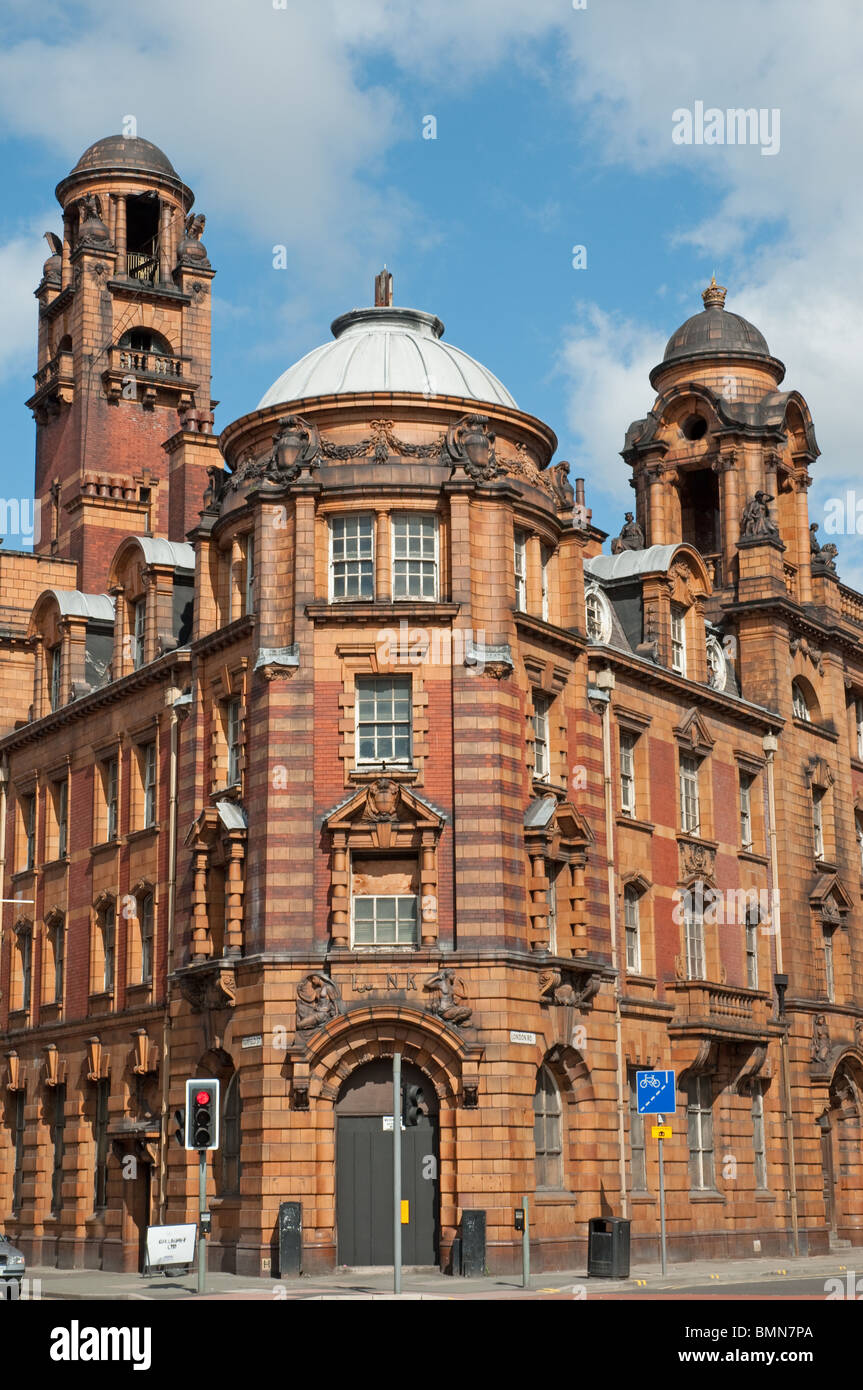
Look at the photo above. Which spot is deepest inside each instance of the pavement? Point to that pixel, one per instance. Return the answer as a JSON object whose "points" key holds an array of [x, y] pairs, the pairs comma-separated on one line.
{"points": [[770, 1278]]}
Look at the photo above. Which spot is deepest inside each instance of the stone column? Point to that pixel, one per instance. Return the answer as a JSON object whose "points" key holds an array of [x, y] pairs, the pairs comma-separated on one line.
{"points": [[235, 580], [121, 659], [340, 897], [233, 945], [383, 558], [657, 519], [39, 678], [428, 896], [533, 577], [66, 257], [164, 247], [120, 234], [804, 552], [539, 887], [202, 946], [730, 508]]}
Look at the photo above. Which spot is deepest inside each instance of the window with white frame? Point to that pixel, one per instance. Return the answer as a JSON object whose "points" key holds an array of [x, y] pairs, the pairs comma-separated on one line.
{"points": [[28, 809], [148, 771], [145, 918], [746, 780], [110, 781], [544, 561], [858, 724], [352, 557], [699, 1120], [627, 772], [139, 618], [25, 964], [759, 1143], [58, 950], [752, 923], [56, 673], [858, 831], [547, 1137], [541, 752], [829, 963], [678, 639], [637, 1154], [249, 595], [385, 921], [632, 929], [551, 872], [597, 615], [109, 944], [232, 726], [383, 719], [60, 794], [415, 556], [690, 810], [799, 704], [818, 794], [693, 923], [520, 565]]}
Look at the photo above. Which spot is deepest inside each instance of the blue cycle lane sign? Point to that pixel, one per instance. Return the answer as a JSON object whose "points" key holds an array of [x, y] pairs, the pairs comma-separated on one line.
{"points": [[656, 1093]]}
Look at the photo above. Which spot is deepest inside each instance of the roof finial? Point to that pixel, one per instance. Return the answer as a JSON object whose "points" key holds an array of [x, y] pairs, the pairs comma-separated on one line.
{"points": [[383, 289], [714, 295]]}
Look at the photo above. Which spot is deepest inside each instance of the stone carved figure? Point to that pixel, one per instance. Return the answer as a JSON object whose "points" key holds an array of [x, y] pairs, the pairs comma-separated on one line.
{"points": [[822, 556], [296, 445], [470, 445], [820, 1038], [755, 518], [553, 990], [631, 536], [318, 1001], [382, 799], [450, 1003], [194, 226], [561, 488]]}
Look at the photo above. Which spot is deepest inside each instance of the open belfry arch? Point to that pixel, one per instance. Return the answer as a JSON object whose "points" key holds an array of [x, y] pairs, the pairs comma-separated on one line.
{"points": [[341, 732]]}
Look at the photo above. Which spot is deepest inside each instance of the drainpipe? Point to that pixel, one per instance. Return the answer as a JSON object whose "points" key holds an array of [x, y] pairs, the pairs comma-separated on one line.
{"points": [[173, 697], [600, 696], [770, 744], [4, 783]]}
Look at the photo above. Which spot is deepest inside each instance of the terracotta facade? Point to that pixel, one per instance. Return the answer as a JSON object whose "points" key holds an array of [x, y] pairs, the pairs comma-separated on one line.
{"points": [[337, 734]]}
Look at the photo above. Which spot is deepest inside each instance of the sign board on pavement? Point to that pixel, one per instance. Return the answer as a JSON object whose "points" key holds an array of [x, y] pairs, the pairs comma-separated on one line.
{"points": [[171, 1245]]}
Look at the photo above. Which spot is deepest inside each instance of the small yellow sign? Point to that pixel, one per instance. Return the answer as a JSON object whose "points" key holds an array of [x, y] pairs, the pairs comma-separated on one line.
{"points": [[405, 1215], [661, 1131]]}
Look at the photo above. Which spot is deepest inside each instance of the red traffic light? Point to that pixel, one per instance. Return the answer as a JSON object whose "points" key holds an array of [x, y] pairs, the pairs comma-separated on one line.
{"points": [[202, 1098]]}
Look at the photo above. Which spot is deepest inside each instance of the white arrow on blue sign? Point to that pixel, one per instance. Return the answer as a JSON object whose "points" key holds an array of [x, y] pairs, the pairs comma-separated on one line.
{"points": [[656, 1093]]}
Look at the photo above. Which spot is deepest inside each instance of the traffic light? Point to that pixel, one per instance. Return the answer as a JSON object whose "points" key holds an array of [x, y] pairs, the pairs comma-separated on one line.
{"points": [[202, 1114], [413, 1105], [180, 1131]]}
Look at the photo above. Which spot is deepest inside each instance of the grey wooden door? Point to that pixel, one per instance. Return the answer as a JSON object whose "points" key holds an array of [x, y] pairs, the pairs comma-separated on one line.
{"points": [[364, 1191]]}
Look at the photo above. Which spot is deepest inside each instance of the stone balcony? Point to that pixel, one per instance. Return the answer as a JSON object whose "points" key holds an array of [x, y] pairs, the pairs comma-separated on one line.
{"points": [[149, 374], [55, 386], [716, 1010]]}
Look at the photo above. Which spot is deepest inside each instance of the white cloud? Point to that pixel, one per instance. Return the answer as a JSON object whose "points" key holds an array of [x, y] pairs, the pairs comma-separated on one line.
{"points": [[21, 260]]}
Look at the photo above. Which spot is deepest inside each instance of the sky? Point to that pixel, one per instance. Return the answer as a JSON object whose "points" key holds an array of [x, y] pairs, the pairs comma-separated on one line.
{"points": [[302, 123]]}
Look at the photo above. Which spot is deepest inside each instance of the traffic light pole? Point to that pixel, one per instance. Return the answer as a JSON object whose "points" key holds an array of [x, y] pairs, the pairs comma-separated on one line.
{"points": [[397, 1172], [202, 1206]]}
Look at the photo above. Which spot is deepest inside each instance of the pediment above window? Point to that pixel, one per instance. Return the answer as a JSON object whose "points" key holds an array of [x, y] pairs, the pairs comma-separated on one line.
{"points": [[385, 813], [693, 733]]}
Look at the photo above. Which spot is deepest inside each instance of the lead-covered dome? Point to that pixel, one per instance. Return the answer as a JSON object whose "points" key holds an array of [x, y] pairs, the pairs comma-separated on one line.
{"points": [[715, 332], [392, 350], [125, 152]]}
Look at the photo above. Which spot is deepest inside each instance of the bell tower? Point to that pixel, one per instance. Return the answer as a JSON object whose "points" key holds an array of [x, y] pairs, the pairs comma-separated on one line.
{"points": [[123, 364]]}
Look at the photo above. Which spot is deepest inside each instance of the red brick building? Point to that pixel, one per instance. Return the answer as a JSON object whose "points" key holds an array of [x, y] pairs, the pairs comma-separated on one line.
{"points": [[338, 734]]}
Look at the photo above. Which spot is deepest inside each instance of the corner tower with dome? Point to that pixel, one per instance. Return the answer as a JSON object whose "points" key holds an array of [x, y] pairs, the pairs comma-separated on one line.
{"points": [[336, 734]]}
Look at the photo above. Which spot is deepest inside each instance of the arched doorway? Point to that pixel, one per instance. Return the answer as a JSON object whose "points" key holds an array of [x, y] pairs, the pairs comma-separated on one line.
{"points": [[841, 1127], [364, 1167]]}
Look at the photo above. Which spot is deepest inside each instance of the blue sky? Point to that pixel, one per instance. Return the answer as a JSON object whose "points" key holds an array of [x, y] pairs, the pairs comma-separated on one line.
{"points": [[302, 125]]}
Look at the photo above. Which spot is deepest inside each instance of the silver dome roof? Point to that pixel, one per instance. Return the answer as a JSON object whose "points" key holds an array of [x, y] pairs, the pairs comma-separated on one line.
{"points": [[387, 349]]}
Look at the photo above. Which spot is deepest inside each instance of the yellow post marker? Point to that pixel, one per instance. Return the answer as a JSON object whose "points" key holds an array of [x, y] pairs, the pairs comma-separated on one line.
{"points": [[405, 1215], [661, 1131]]}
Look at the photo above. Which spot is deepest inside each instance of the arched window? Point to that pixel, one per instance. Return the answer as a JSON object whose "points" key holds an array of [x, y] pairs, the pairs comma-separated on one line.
{"points": [[547, 1131], [799, 702], [145, 340], [632, 929], [231, 1137], [597, 613]]}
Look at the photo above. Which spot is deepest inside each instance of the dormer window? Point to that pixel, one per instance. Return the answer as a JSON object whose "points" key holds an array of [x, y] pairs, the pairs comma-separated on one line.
{"points": [[678, 639], [798, 703], [597, 616], [717, 666], [139, 618]]}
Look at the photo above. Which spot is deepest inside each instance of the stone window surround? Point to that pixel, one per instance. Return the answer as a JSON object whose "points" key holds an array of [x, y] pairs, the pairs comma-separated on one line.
{"points": [[229, 683], [233, 559], [543, 675], [641, 888], [102, 754], [539, 544], [364, 659], [98, 911]]}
